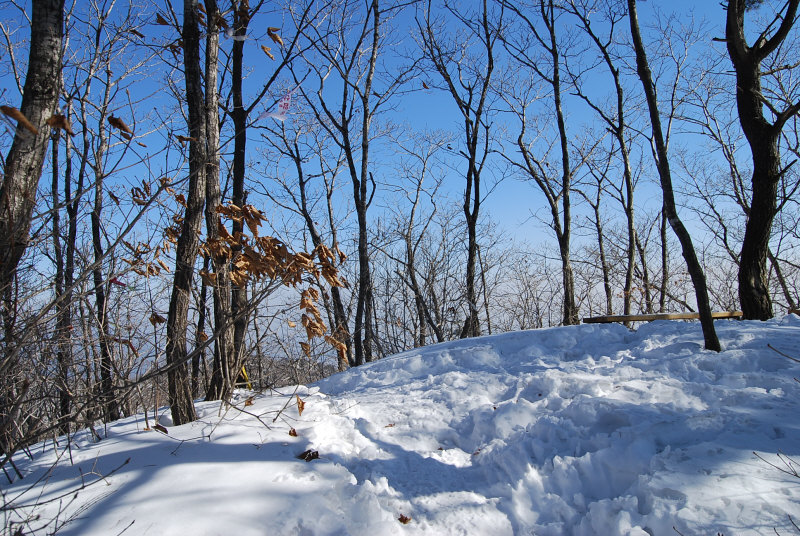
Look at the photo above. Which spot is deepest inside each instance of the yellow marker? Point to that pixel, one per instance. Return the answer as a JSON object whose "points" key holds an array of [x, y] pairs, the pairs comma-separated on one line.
{"points": [[246, 379]]}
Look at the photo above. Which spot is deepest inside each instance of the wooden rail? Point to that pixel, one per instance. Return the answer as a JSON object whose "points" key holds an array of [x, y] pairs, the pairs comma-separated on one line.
{"points": [[658, 316]]}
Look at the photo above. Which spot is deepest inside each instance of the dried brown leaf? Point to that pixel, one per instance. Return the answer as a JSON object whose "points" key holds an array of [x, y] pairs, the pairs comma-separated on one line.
{"points": [[61, 122], [119, 124], [300, 405], [13, 113], [272, 33]]}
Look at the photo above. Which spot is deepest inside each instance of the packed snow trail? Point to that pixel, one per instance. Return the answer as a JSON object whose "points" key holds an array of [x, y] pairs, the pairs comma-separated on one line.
{"points": [[582, 430]]}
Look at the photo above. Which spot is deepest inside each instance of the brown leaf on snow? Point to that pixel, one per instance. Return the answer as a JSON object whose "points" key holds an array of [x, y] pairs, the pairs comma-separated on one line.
{"points": [[161, 429], [300, 405], [293, 432], [405, 520], [390, 425], [249, 402], [308, 455]]}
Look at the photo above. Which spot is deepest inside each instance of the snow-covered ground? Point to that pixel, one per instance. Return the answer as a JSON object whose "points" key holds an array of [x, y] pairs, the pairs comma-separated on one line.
{"points": [[578, 430]]}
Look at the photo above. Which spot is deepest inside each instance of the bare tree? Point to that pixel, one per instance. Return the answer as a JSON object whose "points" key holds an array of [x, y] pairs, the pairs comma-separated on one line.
{"points": [[614, 118], [524, 46], [307, 147], [465, 64], [692, 263], [347, 46], [763, 136]]}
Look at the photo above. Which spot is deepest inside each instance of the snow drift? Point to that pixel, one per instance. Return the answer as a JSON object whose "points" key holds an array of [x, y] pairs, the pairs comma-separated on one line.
{"points": [[583, 430]]}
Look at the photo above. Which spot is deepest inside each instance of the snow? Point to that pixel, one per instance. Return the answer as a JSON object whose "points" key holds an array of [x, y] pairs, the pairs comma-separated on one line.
{"points": [[593, 429]]}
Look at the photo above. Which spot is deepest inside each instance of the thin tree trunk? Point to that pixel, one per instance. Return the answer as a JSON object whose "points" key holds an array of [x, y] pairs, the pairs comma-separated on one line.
{"points": [[339, 329], [364, 304], [692, 263], [662, 298], [225, 368], [241, 19], [108, 400], [63, 295], [781, 280]]}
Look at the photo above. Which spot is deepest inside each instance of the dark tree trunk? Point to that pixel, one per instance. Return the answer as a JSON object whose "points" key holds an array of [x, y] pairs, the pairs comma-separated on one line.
{"points": [[107, 399], [470, 96], [241, 19], [200, 337], [340, 328], [763, 138], [662, 298], [364, 304], [692, 263], [63, 295], [178, 381], [570, 317]]}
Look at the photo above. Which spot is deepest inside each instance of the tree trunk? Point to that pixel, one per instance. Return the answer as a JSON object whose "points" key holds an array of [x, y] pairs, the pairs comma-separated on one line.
{"points": [[662, 298], [648, 298], [692, 263], [763, 138], [200, 336], [107, 398], [23, 166], [225, 367], [241, 19], [364, 305], [63, 295], [178, 381], [339, 329]]}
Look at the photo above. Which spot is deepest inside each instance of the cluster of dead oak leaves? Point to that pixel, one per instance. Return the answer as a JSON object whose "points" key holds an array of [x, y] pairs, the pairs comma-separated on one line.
{"points": [[266, 257]]}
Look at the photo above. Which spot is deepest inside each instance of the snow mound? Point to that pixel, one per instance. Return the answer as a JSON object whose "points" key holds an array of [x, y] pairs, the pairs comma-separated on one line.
{"points": [[580, 430]]}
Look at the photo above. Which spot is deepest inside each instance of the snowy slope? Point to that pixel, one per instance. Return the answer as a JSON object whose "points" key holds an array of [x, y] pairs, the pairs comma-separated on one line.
{"points": [[579, 430]]}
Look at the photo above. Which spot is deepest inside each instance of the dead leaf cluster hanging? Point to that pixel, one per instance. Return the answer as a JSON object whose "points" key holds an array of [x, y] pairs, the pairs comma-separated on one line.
{"points": [[61, 122], [13, 113], [251, 256], [273, 34], [119, 124]]}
